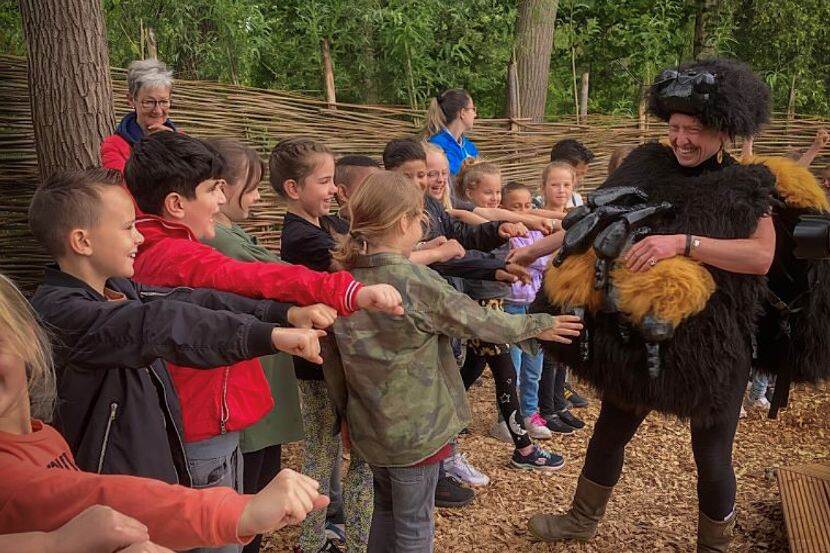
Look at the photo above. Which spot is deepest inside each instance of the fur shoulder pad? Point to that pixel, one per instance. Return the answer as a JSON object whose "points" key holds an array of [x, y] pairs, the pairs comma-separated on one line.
{"points": [[795, 183]]}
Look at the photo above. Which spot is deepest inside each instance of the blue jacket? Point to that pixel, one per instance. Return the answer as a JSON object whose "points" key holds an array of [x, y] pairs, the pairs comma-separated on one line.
{"points": [[456, 152]]}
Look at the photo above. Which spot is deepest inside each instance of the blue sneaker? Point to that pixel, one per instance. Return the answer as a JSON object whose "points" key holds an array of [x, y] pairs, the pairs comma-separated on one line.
{"points": [[538, 459]]}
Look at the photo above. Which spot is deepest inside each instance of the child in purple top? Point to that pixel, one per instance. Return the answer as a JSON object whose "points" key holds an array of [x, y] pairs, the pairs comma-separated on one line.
{"points": [[517, 197]]}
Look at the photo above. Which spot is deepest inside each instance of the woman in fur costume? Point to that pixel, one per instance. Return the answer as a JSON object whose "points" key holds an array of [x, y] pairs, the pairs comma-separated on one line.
{"points": [[670, 327]]}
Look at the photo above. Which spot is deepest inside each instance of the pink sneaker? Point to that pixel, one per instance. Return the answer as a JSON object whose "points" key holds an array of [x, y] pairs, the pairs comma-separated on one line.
{"points": [[537, 427]]}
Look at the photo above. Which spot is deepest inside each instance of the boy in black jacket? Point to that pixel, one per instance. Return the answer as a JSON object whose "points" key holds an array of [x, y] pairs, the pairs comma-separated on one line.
{"points": [[117, 408]]}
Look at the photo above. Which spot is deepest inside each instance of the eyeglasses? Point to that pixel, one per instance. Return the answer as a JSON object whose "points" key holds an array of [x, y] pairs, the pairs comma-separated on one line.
{"points": [[471, 109], [151, 104]]}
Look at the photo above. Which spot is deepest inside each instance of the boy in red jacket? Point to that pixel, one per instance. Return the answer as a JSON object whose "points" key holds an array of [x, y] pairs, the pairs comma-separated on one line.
{"points": [[174, 180]]}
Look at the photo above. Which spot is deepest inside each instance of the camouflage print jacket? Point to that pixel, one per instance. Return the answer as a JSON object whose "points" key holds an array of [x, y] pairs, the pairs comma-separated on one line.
{"points": [[399, 384]]}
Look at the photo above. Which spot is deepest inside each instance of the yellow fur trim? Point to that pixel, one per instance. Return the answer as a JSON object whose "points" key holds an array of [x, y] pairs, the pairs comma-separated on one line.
{"points": [[672, 290], [796, 184], [572, 283]]}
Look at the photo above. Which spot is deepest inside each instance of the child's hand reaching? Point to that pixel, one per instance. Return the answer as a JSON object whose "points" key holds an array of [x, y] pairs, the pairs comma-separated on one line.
{"points": [[302, 342], [821, 139], [510, 230], [451, 249], [380, 297], [513, 272], [565, 325], [318, 315], [98, 529], [434, 243], [287, 499], [545, 226]]}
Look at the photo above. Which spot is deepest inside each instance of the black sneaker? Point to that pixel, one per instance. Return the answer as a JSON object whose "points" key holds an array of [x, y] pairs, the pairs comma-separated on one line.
{"points": [[555, 424], [449, 493], [328, 547], [538, 460], [568, 418], [576, 400]]}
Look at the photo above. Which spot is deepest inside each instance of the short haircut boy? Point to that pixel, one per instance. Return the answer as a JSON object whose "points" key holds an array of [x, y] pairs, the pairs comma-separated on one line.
{"points": [[513, 186], [65, 201], [349, 168], [169, 162], [400, 150], [571, 151]]}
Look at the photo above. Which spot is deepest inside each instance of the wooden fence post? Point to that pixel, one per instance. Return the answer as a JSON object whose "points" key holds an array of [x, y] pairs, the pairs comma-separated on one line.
{"points": [[328, 76]]}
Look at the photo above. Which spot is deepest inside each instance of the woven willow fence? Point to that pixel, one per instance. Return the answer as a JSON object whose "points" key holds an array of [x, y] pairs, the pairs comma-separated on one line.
{"points": [[262, 117]]}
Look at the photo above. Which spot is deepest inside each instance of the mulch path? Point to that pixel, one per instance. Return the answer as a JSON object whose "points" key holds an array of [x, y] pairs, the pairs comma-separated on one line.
{"points": [[654, 505]]}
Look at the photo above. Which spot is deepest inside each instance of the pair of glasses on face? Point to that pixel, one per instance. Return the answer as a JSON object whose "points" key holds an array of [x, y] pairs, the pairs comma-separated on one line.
{"points": [[151, 104], [473, 109]]}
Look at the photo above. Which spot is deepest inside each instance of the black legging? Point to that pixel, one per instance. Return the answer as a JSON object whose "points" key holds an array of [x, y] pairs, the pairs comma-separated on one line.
{"points": [[504, 375], [712, 447], [552, 387], [260, 467]]}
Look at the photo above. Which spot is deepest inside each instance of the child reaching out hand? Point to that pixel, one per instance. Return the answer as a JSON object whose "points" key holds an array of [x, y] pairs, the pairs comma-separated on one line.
{"points": [[399, 385]]}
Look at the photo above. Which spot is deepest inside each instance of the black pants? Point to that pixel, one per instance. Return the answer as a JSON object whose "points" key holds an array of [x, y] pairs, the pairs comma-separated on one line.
{"points": [[260, 467], [504, 375], [552, 387], [712, 447]]}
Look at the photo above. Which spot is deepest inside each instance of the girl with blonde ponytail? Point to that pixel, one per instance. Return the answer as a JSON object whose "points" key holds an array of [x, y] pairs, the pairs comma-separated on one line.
{"points": [[451, 114], [398, 385]]}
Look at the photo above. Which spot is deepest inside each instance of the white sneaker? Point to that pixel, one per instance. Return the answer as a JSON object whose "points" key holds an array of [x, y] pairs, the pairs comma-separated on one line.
{"points": [[536, 427], [761, 403], [742, 414], [460, 468], [500, 432]]}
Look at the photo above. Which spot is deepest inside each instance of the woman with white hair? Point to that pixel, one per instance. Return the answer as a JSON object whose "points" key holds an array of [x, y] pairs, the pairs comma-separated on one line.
{"points": [[149, 84]]}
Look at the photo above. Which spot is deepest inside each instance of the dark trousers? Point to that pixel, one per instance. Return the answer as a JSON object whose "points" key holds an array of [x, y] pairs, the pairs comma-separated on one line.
{"points": [[552, 387], [712, 448], [260, 467], [504, 375]]}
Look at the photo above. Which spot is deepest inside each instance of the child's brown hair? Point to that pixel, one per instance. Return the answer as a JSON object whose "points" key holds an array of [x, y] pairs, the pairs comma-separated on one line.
{"points": [[472, 169], [375, 209], [242, 163], [68, 200], [293, 159]]}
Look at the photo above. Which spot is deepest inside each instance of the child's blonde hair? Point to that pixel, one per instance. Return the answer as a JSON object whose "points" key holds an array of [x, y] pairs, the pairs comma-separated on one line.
{"points": [[23, 337], [553, 165], [469, 176], [376, 208], [431, 148]]}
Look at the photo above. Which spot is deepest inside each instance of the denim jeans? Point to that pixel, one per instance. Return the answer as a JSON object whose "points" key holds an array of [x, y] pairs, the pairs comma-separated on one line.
{"points": [[216, 462], [528, 369], [403, 519], [758, 389]]}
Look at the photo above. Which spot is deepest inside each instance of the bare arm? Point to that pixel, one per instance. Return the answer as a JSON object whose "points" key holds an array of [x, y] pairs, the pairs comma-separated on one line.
{"points": [[467, 217], [527, 255], [532, 221], [819, 142], [548, 213], [749, 256]]}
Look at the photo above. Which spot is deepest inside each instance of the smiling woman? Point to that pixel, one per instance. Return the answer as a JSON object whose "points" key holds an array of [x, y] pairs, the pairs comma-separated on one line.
{"points": [[149, 87]]}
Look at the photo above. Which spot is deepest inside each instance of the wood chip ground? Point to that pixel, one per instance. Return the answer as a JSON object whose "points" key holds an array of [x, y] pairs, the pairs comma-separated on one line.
{"points": [[654, 506]]}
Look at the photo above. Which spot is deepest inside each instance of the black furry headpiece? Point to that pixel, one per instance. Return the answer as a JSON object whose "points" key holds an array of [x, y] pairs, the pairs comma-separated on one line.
{"points": [[724, 94]]}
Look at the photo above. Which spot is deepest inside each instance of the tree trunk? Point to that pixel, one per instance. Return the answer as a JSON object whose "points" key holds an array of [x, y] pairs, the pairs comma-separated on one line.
{"points": [[791, 101], [705, 11], [575, 91], [328, 72], [152, 49], [69, 81], [514, 108], [534, 41], [583, 97]]}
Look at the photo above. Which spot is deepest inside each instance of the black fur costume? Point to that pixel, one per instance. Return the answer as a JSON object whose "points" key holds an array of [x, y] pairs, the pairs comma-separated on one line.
{"points": [[705, 366]]}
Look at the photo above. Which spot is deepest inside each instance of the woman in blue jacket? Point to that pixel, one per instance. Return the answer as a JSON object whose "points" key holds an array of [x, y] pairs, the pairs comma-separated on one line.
{"points": [[451, 114]]}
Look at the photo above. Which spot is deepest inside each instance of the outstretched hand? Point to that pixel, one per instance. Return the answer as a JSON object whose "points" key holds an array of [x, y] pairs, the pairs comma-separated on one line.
{"points": [[318, 315], [822, 138], [302, 342], [511, 230], [380, 297], [565, 326], [287, 499]]}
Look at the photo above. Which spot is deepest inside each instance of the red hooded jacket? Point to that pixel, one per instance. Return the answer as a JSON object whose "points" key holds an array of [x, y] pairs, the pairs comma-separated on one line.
{"points": [[233, 397]]}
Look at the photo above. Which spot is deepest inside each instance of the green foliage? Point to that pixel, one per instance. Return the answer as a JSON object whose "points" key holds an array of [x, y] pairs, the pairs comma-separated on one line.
{"points": [[405, 52]]}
